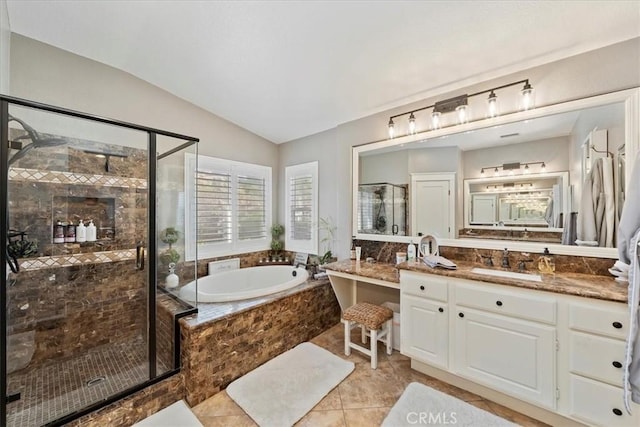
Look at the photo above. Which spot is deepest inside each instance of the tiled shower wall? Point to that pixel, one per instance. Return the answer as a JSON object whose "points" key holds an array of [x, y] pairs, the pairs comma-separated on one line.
{"points": [[75, 296]]}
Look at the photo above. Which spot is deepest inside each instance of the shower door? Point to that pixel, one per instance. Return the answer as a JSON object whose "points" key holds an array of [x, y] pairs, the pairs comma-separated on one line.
{"points": [[80, 299]]}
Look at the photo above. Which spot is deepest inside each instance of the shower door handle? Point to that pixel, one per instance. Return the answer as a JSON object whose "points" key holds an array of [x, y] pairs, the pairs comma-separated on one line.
{"points": [[394, 229], [140, 256]]}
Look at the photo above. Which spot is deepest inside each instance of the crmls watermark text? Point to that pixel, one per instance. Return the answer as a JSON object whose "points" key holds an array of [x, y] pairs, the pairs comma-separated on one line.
{"points": [[426, 418]]}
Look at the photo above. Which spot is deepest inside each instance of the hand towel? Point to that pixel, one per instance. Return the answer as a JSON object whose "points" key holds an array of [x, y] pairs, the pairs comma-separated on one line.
{"points": [[631, 376]]}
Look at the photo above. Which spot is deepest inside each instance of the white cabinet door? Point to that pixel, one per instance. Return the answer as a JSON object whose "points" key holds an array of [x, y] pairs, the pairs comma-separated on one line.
{"points": [[424, 331], [514, 356]]}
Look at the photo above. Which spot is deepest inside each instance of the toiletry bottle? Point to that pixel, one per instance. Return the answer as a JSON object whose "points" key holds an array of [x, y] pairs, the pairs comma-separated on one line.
{"points": [[546, 263], [81, 232], [91, 232], [70, 234], [353, 248], [58, 232], [411, 252]]}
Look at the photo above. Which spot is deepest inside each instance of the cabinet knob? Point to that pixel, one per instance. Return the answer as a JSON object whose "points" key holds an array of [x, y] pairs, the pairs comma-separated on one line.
{"points": [[617, 325], [441, 310], [617, 364], [460, 314], [617, 411], [422, 287], [499, 303]]}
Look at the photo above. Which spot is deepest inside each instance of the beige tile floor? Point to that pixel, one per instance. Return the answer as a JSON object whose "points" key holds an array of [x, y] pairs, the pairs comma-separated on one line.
{"points": [[363, 399]]}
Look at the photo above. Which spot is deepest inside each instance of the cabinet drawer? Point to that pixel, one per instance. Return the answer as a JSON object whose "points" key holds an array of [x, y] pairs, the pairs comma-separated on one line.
{"points": [[518, 304], [610, 320], [424, 285], [597, 403], [596, 357]]}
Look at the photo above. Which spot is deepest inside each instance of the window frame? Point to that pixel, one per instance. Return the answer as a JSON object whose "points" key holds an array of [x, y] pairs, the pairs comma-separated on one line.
{"points": [[235, 168], [292, 172]]}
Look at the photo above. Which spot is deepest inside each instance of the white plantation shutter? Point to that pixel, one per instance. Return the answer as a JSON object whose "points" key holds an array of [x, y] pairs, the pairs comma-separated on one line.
{"points": [[301, 233], [233, 207], [251, 208], [214, 207]]}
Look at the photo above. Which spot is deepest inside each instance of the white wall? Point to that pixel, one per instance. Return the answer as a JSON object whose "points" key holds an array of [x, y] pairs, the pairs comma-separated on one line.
{"points": [[390, 167], [43, 73], [604, 70], [320, 147], [554, 152], [5, 47]]}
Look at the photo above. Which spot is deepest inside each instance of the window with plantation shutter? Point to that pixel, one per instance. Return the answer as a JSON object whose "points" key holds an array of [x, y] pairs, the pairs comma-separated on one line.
{"points": [[233, 204], [301, 231]]}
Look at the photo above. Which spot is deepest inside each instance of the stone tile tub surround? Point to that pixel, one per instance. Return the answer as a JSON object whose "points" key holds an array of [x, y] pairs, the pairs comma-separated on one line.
{"points": [[385, 252], [217, 350]]}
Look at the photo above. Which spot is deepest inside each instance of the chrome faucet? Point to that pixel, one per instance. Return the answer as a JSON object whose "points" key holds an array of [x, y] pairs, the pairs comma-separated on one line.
{"points": [[505, 258]]}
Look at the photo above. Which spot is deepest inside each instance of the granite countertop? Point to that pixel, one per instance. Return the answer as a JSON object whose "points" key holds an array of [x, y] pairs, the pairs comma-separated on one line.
{"points": [[584, 285]]}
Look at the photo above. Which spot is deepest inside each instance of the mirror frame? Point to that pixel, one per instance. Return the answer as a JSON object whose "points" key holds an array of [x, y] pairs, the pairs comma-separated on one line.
{"points": [[631, 100], [466, 200]]}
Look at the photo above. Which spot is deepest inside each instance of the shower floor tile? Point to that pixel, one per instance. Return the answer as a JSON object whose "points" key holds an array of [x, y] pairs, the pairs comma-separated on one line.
{"points": [[59, 388]]}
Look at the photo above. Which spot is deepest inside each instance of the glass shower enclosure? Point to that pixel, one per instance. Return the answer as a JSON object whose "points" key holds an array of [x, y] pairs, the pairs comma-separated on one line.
{"points": [[93, 218], [382, 209]]}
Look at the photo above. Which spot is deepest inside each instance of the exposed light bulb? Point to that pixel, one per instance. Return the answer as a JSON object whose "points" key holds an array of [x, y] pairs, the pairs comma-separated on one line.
{"points": [[496, 172], [526, 169], [482, 173], [462, 112], [492, 105], [435, 120], [391, 129], [544, 167], [412, 124], [526, 102]]}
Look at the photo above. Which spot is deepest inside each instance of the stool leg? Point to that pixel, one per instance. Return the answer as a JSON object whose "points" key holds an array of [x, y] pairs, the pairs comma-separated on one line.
{"points": [[347, 337], [389, 337], [363, 333], [374, 348]]}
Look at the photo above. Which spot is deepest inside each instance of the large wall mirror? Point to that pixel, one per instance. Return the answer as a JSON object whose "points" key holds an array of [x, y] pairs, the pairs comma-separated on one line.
{"points": [[550, 177]]}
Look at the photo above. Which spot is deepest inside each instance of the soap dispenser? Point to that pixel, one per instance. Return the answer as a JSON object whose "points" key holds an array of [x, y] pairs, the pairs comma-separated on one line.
{"points": [[91, 232], [546, 263], [411, 252], [81, 232]]}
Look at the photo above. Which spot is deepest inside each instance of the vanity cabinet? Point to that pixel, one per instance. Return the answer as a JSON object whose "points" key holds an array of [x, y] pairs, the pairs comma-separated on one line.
{"points": [[506, 340], [553, 354], [596, 344], [424, 318]]}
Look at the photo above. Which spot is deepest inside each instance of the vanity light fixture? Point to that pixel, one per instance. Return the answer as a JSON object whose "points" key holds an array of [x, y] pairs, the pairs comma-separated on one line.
{"points": [[511, 168], [460, 105]]}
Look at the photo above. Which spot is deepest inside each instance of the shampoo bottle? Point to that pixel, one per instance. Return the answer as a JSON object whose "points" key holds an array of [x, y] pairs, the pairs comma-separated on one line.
{"points": [[411, 252], [91, 232], [70, 234], [58, 232], [81, 232]]}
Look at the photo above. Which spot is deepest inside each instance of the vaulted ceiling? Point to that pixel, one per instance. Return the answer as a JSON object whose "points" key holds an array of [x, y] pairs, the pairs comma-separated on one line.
{"points": [[288, 69]]}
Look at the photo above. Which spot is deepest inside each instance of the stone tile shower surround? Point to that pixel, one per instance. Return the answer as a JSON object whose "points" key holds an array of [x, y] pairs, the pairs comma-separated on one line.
{"points": [[386, 252]]}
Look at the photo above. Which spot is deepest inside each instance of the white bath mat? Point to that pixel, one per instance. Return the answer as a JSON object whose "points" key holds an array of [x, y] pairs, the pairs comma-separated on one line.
{"points": [[284, 389], [175, 415], [422, 405]]}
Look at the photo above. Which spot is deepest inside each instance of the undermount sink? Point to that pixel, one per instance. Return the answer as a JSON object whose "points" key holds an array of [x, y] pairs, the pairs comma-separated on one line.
{"points": [[508, 274]]}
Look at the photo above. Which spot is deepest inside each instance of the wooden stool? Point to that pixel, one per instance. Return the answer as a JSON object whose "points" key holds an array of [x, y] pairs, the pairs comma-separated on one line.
{"points": [[378, 320]]}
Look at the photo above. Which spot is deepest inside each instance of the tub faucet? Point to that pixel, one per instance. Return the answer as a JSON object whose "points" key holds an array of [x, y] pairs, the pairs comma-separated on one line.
{"points": [[505, 258]]}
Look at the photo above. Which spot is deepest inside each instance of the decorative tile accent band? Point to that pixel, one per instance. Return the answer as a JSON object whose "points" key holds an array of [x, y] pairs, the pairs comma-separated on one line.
{"points": [[77, 259], [59, 177]]}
